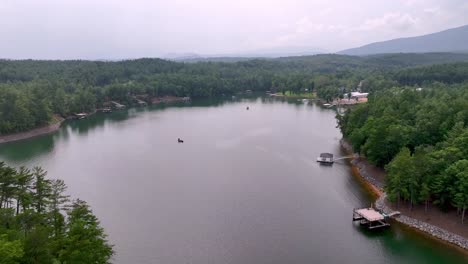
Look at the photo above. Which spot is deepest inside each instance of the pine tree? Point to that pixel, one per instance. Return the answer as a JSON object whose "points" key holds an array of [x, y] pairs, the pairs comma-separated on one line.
{"points": [[85, 241], [7, 185], [24, 180], [42, 190]]}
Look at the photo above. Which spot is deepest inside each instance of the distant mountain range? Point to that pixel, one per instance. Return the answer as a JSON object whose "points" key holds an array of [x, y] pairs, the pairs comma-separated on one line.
{"points": [[264, 53], [451, 40]]}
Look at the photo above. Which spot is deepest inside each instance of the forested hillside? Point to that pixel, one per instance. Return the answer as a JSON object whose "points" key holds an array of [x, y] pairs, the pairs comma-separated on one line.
{"points": [[32, 91], [419, 135]]}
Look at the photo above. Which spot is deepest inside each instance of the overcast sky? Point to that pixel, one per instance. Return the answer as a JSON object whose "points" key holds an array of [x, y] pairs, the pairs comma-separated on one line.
{"points": [[115, 29]]}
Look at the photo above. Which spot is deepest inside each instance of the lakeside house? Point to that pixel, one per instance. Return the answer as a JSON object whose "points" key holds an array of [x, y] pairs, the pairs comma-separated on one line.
{"points": [[356, 95], [350, 101], [352, 98]]}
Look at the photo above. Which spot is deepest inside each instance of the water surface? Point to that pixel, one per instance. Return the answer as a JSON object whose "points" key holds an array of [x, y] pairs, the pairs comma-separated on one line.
{"points": [[243, 188]]}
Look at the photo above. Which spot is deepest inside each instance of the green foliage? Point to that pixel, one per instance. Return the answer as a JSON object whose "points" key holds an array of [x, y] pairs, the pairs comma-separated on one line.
{"points": [[11, 252], [458, 174], [36, 246], [33, 226], [400, 169], [420, 137], [86, 241], [32, 91]]}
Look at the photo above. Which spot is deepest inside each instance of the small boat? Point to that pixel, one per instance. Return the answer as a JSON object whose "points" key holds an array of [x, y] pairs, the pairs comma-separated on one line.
{"points": [[180, 140], [107, 110], [81, 116]]}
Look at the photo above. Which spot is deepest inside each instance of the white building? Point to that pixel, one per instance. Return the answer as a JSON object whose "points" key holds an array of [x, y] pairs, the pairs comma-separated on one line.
{"points": [[359, 95]]}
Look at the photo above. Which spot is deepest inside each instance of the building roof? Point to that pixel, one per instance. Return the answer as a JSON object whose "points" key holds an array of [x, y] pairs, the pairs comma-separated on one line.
{"points": [[370, 214], [358, 94]]}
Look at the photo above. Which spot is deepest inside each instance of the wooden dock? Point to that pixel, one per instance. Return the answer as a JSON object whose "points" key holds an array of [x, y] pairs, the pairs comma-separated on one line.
{"points": [[370, 218], [327, 158], [118, 106]]}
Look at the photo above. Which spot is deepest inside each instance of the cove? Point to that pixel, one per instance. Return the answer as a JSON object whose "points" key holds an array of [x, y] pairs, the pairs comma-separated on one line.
{"points": [[244, 187]]}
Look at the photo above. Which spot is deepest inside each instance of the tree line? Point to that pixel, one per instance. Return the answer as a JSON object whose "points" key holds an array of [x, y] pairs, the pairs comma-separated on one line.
{"points": [[39, 223], [32, 92], [420, 137]]}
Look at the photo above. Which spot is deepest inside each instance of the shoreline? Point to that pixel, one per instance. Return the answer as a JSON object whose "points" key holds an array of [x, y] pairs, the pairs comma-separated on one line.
{"points": [[51, 128], [374, 183], [168, 99], [35, 132], [295, 96]]}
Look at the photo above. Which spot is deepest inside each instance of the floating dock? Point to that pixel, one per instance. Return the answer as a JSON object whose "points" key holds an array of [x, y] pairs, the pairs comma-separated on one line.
{"points": [[326, 158], [370, 218]]}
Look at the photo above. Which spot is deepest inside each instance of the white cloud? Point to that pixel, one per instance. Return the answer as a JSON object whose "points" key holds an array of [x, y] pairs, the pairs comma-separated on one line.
{"points": [[412, 2], [122, 28], [431, 10], [395, 21]]}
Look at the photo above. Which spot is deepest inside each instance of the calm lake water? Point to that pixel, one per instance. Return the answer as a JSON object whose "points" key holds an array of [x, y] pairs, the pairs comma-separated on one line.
{"points": [[243, 188]]}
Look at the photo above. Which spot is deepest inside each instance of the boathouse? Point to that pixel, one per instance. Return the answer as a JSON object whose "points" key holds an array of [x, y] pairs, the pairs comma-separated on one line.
{"points": [[370, 218], [325, 158]]}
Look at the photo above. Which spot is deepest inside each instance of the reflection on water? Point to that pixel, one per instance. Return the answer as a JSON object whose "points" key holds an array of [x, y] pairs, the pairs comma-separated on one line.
{"points": [[243, 188], [27, 149]]}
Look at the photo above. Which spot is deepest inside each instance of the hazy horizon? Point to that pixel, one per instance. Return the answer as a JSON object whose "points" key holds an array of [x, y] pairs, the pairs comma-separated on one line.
{"points": [[53, 29]]}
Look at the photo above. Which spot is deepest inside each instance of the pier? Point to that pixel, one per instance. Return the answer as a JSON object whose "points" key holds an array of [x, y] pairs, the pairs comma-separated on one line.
{"points": [[141, 102], [118, 106], [327, 158], [370, 218]]}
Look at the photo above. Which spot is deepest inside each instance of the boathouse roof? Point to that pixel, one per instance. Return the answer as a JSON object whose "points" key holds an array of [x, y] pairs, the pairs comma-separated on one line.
{"points": [[370, 214]]}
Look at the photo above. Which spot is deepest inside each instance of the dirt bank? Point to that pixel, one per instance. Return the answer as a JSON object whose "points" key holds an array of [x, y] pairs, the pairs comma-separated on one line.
{"points": [[446, 226], [33, 133]]}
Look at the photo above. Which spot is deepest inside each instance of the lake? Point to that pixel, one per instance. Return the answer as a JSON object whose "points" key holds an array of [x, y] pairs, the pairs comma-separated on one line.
{"points": [[244, 187]]}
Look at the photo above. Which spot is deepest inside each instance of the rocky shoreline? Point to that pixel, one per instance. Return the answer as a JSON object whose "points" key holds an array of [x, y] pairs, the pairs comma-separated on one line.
{"points": [[434, 231], [381, 204]]}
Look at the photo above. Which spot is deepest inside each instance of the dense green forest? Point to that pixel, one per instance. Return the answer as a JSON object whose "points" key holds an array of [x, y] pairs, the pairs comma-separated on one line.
{"points": [[31, 92], [414, 125], [34, 227], [420, 136]]}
